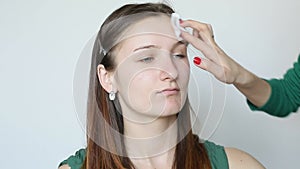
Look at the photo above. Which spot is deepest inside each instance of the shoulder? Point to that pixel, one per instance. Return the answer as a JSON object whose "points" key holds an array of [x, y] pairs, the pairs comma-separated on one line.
{"points": [[232, 158], [239, 159], [66, 166]]}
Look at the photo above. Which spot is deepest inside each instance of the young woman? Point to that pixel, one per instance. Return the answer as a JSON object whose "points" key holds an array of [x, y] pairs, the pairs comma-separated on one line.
{"points": [[138, 113]]}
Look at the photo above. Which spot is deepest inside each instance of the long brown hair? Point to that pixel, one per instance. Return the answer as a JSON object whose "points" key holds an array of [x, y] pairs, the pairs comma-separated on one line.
{"points": [[189, 153]]}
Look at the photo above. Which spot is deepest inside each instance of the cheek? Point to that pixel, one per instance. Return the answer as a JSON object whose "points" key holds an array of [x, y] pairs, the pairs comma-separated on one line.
{"points": [[184, 73], [136, 83], [186, 76], [140, 90], [146, 75], [143, 81]]}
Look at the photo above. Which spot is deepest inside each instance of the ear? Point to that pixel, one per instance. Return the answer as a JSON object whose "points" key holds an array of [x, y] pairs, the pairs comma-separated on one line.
{"points": [[105, 78]]}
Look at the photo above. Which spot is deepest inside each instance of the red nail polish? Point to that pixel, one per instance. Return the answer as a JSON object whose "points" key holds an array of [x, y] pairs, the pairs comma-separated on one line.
{"points": [[180, 21], [197, 60]]}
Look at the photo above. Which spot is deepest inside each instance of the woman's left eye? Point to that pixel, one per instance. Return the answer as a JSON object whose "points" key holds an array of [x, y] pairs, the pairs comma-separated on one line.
{"points": [[180, 56]]}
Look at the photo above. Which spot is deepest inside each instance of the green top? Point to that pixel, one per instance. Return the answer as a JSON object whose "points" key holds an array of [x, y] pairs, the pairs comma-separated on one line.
{"points": [[285, 94], [216, 154]]}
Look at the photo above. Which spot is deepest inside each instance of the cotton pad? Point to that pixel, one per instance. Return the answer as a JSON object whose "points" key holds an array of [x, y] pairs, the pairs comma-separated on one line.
{"points": [[176, 25]]}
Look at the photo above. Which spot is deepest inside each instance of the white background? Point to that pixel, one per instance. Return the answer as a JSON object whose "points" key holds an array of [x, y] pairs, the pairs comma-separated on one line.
{"points": [[42, 40]]}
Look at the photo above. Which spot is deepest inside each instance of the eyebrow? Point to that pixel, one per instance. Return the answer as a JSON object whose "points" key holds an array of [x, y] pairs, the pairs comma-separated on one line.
{"points": [[155, 46], [181, 42], [145, 47]]}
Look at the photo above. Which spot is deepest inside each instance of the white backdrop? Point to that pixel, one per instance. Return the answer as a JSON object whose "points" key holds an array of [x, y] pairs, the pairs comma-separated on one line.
{"points": [[41, 41]]}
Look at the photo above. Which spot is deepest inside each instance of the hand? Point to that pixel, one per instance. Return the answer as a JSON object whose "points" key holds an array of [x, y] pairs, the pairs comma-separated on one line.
{"points": [[224, 68], [216, 61]]}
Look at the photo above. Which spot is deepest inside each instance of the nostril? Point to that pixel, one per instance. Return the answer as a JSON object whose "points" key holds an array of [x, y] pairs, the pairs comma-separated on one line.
{"points": [[169, 75]]}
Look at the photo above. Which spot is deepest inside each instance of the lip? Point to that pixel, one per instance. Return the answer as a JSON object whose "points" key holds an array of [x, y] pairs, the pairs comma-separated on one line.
{"points": [[170, 91]]}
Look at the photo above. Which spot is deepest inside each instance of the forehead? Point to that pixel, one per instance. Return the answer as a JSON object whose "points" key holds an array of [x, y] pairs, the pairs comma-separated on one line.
{"points": [[154, 25], [153, 30]]}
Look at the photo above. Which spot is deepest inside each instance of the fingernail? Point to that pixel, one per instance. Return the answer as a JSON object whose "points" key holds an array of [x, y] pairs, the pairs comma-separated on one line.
{"points": [[197, 60], [180, 21]]}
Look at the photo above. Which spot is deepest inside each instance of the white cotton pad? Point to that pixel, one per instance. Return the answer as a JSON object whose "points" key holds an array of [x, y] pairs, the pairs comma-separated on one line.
{"points": [[176, 25]]}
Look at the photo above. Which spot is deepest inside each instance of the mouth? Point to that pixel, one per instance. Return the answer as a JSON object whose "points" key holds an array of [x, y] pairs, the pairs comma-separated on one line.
{"points": [[170, 91]]}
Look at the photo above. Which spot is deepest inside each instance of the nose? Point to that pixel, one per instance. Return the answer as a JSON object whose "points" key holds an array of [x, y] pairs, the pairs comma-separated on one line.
{"points": [[169, 71]]}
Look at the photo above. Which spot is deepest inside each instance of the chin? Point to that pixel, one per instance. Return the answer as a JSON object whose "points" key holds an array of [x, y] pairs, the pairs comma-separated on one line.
{"points": [[170, 111]]}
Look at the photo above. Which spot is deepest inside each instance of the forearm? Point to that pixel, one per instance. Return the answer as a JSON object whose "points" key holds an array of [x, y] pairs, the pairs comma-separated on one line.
{"points": [[256, 90]]}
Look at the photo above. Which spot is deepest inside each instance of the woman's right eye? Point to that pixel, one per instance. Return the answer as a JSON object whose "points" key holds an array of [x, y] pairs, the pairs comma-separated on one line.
{"points": [[147, 59]]}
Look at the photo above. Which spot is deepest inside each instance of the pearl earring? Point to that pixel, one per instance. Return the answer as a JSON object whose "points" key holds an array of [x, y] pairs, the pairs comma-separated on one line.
{"points": [[112, 95]]}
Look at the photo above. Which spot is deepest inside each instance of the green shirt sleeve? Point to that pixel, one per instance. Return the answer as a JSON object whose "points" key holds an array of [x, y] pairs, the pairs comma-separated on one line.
{"points": [[75, 161], [217, 156], [285, 94]]}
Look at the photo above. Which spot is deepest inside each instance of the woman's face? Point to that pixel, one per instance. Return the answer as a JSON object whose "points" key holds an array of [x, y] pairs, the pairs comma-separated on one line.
{"points": [[152, 71]]}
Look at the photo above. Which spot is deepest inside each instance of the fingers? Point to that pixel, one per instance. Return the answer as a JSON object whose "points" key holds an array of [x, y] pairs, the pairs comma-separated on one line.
{"points": [[201, 63], [196, 42], [207, 50], [202, 38], [196, 33], [210, 28], [199, 26], [213, 68], [216, 61]]}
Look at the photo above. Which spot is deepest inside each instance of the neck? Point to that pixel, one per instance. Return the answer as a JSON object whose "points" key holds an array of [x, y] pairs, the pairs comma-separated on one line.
{"points": [[147, 141]]}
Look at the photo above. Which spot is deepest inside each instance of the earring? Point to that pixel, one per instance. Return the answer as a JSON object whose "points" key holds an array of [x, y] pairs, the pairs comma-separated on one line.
{"points": [[112, 95]]}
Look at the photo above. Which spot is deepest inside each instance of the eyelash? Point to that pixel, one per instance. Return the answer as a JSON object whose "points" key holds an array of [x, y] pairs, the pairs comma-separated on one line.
{"points": [[180, 56], [150, 59], [147, 59]]}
